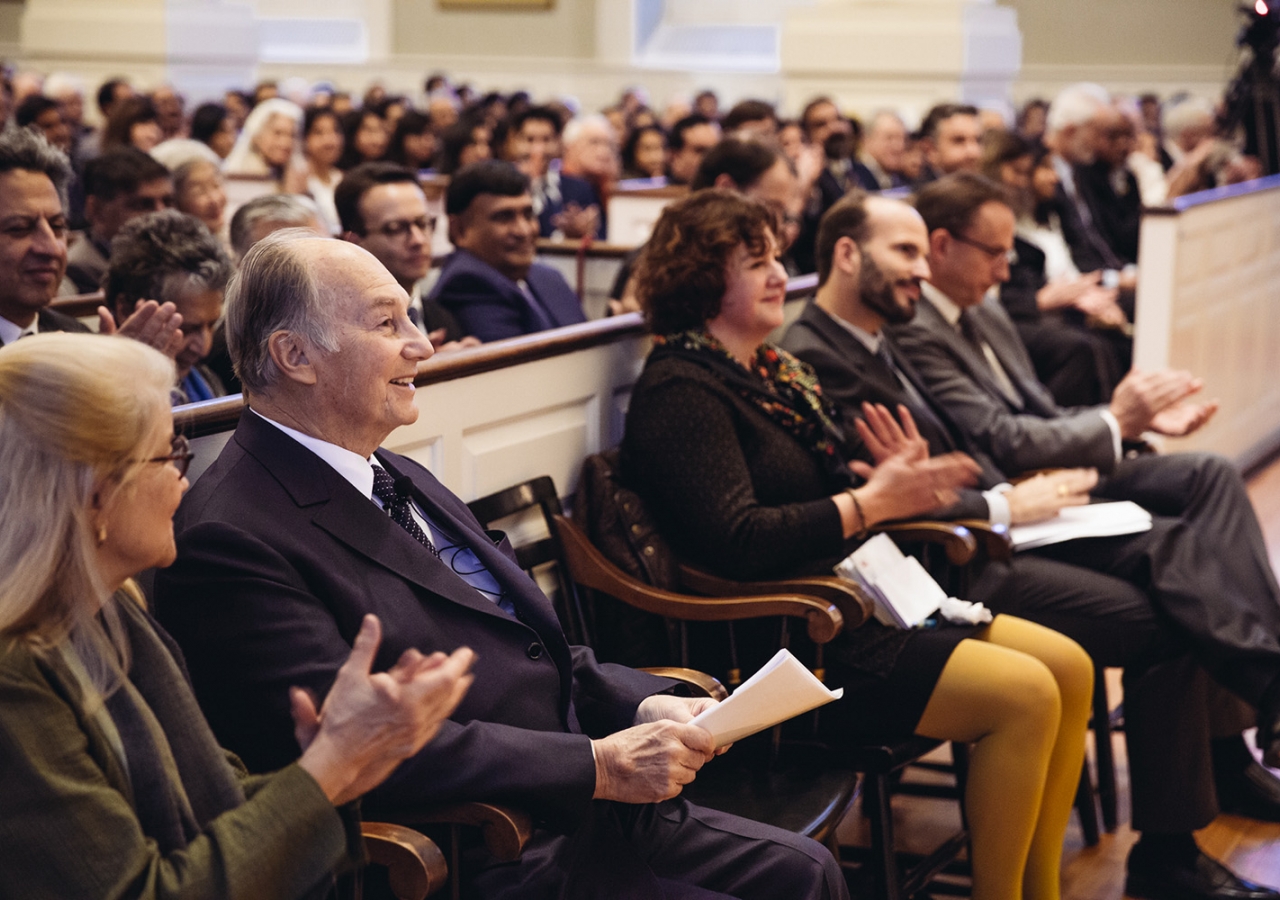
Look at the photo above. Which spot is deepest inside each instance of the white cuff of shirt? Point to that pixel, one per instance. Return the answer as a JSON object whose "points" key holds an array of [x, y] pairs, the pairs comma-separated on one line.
{"points": [[998, 512], [1114, 424]]}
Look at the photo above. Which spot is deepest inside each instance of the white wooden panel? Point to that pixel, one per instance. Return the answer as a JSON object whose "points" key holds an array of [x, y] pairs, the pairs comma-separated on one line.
{"points": [[631, 218], [491, 430], [1208, 300], [497, 455]]}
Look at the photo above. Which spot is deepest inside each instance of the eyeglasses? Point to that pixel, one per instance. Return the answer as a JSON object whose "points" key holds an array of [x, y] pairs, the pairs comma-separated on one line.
{"points": [[1010, 256], [180, 455], [400, 228]]}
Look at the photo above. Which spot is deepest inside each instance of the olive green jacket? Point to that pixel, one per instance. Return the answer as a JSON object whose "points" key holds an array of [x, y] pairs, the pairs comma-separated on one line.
{"points": [[68, 821]]}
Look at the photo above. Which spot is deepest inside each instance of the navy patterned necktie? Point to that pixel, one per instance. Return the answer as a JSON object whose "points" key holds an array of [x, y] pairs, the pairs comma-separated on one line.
{"points": [[394, 494], [461, 559]]}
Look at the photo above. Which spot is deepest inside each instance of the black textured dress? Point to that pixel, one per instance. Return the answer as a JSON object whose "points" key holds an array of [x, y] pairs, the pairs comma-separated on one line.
{"points": [[737, 494]]}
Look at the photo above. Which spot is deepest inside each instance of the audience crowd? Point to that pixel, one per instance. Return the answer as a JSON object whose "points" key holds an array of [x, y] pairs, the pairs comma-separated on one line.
{"points": [[967, 355]]}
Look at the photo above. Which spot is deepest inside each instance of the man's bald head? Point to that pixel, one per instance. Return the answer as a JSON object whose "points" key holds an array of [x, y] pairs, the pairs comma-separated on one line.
{"points": [[873, 255]]}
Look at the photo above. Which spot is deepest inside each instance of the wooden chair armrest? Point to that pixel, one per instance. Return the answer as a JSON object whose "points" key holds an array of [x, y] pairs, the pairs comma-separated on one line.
{"points": [[505, 831], [956, 539], [846, 597], [706, 685], [415, 865], [994, 539], [588, 567]]}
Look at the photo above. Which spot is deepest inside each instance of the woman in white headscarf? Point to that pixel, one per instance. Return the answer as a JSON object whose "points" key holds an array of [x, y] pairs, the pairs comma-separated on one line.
{"points": [[270, 145]]}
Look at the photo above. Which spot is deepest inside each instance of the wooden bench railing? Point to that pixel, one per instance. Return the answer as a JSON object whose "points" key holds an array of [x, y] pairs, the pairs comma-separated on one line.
{"points": [[632, 214], [79, 306], [501, 413], [498, 414]]}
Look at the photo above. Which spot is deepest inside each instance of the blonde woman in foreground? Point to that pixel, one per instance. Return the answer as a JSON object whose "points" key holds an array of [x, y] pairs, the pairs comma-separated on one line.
{"points": [[111, 783]]}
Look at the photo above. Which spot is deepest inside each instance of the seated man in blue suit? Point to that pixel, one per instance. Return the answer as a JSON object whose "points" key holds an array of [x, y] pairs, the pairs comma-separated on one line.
{"points": [[303, 524], [490, 282]]}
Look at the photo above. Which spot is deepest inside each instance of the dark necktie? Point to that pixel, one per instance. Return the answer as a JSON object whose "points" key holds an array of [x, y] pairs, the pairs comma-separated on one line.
{"points": [[540, 312], [394, 494], [461, 559], [886, 357], [972, 331]]}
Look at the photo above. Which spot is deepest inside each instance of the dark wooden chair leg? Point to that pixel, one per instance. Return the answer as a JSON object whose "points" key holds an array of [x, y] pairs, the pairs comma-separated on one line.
{"points": [[876, 805], [1103, 753], [1085, 807]]}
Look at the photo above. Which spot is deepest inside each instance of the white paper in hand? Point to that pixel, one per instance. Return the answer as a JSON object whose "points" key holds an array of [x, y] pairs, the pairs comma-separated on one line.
{"points": [[782, 689]]}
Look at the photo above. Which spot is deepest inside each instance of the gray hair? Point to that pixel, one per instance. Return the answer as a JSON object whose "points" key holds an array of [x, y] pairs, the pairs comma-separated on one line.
{"points": [[1075, 105], [292, 210], [1188, 112], [161, 253], [576, 126], [176, 153], [275, 290], [22, 148]]}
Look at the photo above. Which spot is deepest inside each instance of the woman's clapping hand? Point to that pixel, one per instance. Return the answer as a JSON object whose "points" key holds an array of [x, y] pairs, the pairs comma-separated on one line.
{"points": [[370, 722], [905, 481]]}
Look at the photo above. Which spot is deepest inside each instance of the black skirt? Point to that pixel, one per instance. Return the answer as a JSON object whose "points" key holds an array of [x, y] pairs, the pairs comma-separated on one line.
{"points": [[888, 676]]}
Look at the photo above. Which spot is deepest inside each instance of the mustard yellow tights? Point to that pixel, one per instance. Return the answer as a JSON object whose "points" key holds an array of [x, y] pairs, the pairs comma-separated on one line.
{"points": [[1020, 694]]}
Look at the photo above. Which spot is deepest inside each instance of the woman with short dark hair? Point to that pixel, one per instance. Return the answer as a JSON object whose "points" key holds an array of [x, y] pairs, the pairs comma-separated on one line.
{"points": [[736, 452]]}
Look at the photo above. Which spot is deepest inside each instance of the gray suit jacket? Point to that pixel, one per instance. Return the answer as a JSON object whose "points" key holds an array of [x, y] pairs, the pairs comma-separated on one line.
{"points": [[1029, 433], [852, 375]]}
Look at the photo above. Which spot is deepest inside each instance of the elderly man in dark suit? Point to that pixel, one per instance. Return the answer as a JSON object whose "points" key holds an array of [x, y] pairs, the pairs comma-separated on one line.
{"points": [[33, 250], [490, 282], [873, 260], [303, 525]]}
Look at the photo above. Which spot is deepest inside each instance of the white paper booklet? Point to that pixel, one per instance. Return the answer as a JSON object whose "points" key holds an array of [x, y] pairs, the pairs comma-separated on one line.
{"points": [[1094, 520], [782, 689], [904, 593]]}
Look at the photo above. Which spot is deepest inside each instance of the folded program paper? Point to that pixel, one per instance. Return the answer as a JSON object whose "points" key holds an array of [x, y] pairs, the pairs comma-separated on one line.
{"points": [[903, 592], [1072, 522], [782, 689]]}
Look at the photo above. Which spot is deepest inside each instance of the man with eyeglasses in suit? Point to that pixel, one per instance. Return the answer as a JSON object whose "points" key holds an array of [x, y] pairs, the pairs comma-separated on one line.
{"points": [[383, 209]]}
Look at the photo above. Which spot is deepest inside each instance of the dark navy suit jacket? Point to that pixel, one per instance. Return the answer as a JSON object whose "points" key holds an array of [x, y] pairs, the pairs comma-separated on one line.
{"points": [[491, 306], [280, 558], [572, 190]]}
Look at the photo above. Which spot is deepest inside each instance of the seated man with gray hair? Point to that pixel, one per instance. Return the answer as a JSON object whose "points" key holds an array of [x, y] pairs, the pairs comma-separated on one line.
{"points": [[171, 257], [271, 212], [304, 524], [33, 250]]}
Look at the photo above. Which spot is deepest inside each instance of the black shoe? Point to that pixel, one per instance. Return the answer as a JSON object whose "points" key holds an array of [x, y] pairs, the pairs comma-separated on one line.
{"points": [[1203, 878], [1269, 726], [1254, 792]]}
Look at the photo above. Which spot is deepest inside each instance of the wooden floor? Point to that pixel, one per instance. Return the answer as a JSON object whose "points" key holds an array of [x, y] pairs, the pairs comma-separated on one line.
{"points": [[1251, 848]]}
